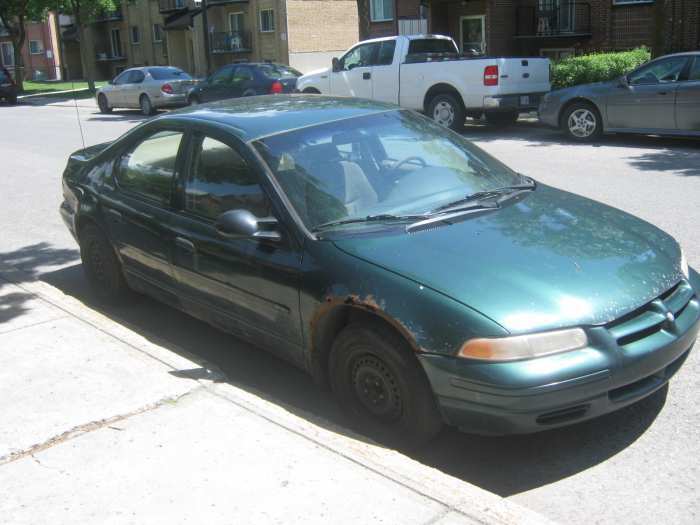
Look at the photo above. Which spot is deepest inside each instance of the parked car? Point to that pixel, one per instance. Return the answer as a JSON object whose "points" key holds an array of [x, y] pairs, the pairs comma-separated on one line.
{"points": [[426, 73], [147, 88], [422, 279], [245, 80], [660, 97], [8, 88]]}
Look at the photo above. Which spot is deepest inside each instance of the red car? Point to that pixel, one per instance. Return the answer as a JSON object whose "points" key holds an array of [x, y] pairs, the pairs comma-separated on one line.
{"points": [[8, 88]]}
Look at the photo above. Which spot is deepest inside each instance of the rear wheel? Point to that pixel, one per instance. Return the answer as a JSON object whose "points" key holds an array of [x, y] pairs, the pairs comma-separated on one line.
{"points": [[101, 266], [381, 386], [12, 100], [311, 91], [502, 118], [103, 104], [447, 111], [146, 105], [581, 122]]}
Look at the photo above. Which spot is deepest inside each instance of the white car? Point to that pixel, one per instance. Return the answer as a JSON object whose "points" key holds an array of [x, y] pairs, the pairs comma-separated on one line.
{"points": [[146, 88], [427, 73]]}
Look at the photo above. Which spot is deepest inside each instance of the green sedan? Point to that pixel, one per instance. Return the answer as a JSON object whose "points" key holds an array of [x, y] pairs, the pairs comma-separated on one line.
{"points": [[419, 278]]}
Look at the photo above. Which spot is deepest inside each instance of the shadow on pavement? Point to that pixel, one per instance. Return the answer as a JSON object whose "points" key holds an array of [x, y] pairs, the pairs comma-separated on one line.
{"points": [[118, 116], [504, 465]]}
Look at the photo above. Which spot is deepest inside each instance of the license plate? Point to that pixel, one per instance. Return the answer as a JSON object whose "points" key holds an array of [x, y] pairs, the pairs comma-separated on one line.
{"points": [[524, 100]]}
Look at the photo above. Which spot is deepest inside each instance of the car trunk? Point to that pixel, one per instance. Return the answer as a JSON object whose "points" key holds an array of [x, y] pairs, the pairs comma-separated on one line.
{"points": [[523, 75]]}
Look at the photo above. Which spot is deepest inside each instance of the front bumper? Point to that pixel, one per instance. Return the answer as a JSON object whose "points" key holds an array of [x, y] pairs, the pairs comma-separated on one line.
{"points": [[538, 394], [520, 102]]}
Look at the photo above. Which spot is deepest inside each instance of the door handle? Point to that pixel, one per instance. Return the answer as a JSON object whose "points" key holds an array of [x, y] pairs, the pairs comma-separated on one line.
{"points": [[366, 75], [185, 244], [116, 215]]}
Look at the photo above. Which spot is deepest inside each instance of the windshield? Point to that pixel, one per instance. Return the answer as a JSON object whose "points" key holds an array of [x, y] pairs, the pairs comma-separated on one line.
{"points": [[392, 163], [276, 71], [168, 73]]}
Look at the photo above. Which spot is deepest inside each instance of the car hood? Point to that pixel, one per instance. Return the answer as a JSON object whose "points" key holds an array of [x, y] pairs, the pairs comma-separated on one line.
{"points": [[315, 73], [548, 259]]}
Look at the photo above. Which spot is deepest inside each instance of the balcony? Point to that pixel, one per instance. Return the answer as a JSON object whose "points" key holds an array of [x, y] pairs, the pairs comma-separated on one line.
{"points": [[552, 19], [230, 42], [109, 16], [165, 6]]}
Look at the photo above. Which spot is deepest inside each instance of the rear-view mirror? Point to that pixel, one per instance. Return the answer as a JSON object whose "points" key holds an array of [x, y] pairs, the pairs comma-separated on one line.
{"points": [[242, 224], [336, 64]]}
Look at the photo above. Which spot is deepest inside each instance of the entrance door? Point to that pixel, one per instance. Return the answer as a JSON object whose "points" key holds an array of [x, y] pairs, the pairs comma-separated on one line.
{"points": [[473, 35]]}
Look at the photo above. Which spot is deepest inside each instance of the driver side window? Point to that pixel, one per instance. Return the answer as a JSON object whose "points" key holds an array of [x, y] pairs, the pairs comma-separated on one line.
{"points": [[122, 78], [661, 72], [361, 56], [221, 77]]}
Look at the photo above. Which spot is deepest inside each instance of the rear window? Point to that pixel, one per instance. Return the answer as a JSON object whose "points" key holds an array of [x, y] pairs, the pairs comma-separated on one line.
{"points": [[431, 45], [168, 73], [277, 71]]}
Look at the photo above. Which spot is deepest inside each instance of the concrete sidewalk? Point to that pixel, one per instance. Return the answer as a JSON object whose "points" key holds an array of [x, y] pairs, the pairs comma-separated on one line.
{"points": [[100, 424]]}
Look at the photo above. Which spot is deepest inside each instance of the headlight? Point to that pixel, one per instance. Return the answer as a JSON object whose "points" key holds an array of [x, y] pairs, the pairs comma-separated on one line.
{"points": [[524, 346], [684, 265]]}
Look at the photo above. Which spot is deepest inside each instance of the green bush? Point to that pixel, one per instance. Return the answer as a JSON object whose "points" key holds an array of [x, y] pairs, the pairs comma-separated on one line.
{"points": [[597, 67]]}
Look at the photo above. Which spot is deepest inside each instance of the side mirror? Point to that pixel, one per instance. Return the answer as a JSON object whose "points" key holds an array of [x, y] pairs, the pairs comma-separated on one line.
{"points": [[111, 82], [336, 64], [624, 82], [242, 224]]}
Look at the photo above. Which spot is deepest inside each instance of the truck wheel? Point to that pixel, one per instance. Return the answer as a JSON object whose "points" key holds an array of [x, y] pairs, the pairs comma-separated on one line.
{"points": [[382, 387], [502, 118], [447, 111], [581, 122]]}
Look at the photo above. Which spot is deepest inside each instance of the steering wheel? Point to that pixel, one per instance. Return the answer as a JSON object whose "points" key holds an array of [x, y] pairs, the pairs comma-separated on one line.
{"points": [[409, 159]]}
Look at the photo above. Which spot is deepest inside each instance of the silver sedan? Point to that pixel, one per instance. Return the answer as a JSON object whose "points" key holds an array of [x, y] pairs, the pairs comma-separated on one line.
{"points": [[147, 88], [661, 97]]}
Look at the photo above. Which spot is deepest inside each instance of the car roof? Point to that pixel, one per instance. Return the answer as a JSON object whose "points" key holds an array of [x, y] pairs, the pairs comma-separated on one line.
{"points": [[250, 118], [420, 36]]}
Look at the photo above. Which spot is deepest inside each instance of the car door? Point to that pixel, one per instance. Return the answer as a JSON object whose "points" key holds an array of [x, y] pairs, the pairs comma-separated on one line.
{"points": [[132, 90], [246, 286], [218, 85], [385, 73], [647, 100], [243, 82], [137, 205], [354, 77], [113, 92], [688, 99]]}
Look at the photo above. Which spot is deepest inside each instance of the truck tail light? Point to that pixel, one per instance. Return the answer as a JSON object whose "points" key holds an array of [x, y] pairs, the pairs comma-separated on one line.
{"points": [[491, 76], [276, 87], [166, 88]]}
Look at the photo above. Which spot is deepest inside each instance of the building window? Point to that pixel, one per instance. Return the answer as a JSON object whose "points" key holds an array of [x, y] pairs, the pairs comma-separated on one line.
{"points": [[157, 33], [381, 10], [135, 35], [267, 20], [36, 47]]}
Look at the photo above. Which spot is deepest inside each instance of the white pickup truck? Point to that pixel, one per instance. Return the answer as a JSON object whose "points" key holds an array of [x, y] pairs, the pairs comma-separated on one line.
{"points": [[427, 73]]}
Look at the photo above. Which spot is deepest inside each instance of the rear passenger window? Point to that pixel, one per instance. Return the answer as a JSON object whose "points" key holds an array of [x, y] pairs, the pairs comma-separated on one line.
{"points": [[149, 168], [220, 181], [385, 56], [695, 70]]}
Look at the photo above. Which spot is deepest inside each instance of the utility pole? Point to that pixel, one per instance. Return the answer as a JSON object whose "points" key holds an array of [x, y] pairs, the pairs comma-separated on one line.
{"points": [[205, 23]]}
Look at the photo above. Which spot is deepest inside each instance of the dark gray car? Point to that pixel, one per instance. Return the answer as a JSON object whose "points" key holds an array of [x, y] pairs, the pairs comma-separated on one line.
{"points": [[660, 97]]}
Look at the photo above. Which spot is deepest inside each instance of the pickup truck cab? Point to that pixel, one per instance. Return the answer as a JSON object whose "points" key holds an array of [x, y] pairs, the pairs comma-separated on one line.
{"points": [[427, 73]]}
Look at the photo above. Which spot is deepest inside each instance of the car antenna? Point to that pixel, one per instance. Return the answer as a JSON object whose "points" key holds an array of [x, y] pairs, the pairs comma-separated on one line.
{"points": [[77, 113]]}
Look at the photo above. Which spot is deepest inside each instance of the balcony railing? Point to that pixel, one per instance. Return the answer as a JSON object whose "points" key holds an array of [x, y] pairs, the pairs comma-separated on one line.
{"points": [[171, 5], [108, 16], [553, 18], [230, 42]]}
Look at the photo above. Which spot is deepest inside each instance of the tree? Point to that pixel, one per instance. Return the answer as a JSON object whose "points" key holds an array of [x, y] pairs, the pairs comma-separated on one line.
{"points": [[84, 12], [14, 15]]}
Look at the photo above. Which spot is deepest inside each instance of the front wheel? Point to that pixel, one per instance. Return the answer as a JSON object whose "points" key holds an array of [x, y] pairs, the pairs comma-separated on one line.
{"points": [[380, 385], [581, 122], [146, 105], [103, 104], [447, 111], [101, 266]]}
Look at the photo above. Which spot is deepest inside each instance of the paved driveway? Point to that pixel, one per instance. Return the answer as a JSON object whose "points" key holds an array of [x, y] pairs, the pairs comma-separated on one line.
{"points": [[640, 465]]}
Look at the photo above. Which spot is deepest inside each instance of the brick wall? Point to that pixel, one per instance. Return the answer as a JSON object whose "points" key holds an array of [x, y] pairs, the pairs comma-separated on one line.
{"points": [[321, 25]]}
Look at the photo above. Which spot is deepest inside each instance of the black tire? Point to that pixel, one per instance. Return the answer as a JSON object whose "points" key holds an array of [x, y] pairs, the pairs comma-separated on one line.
{"points": [[581, 122], [311, 91], [194, 100], [381, 386], [447, 110], [502, 118], [101, 266], [103, 104], [147, 108]]}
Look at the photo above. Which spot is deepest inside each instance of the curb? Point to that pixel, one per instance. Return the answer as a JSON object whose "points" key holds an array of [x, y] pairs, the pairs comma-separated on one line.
{"points": [[468, 502], [51, 94]]}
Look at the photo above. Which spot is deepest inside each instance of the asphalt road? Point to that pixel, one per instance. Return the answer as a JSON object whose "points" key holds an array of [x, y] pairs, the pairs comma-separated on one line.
{"points": [[639, 465]]}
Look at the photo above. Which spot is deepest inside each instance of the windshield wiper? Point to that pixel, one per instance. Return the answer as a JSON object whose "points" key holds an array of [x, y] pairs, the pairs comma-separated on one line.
{"points": [[382, 217], [486, 194]]}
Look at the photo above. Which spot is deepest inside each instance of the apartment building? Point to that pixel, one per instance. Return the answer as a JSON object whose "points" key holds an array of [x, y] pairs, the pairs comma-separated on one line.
{"points": [[553, 28], [41, 59]]}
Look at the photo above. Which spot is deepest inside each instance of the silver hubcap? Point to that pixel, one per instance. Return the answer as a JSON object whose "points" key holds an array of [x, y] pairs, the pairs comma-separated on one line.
{"points": [[444, 114], [582, 123]]}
